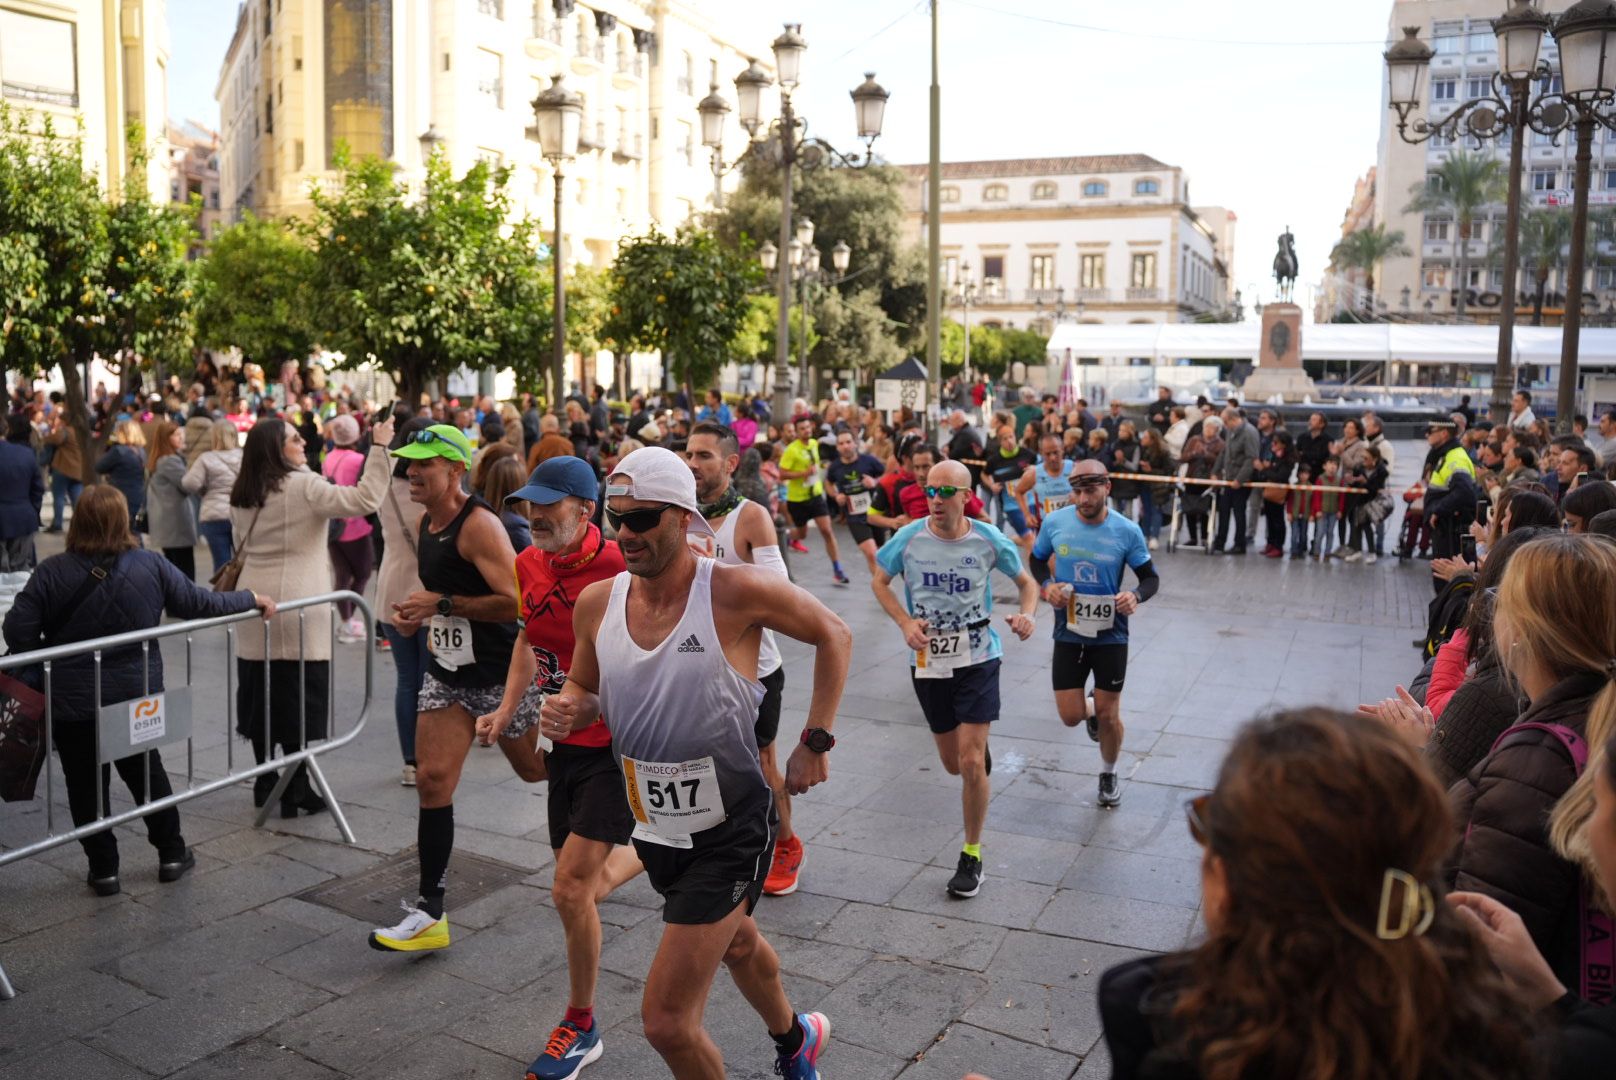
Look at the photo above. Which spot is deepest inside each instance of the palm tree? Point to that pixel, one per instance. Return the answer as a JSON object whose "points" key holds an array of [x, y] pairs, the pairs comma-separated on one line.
{"points": [[1366, 249], [1460, 187], [1545, 236]]}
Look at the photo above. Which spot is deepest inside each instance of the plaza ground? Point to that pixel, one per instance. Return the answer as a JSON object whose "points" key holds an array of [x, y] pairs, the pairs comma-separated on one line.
{"points": [[229, 973]]}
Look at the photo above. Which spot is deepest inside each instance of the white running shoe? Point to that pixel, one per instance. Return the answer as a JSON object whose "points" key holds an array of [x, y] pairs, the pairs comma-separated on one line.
{"points": [[407, 777], [1352, 556], [1370, 559], [418, 932]]}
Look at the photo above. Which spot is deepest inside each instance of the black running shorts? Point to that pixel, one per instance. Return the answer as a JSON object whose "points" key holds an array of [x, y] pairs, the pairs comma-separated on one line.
{"points": [[969, 696], [726, 868], [587, 795], [768, 717], [860, 527], [807, 510], [1070, 667]]}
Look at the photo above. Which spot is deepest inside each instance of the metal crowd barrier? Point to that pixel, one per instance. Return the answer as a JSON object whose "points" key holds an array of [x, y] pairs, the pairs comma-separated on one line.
{"points": [[164, 719]]}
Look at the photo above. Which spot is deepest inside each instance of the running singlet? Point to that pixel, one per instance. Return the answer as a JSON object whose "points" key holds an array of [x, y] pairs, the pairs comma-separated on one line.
{"points": [[945, 582], [682, 722], [1090, 558], [1051, 492], [802, 455], [721, 548], [465, 652], [549, 588]]}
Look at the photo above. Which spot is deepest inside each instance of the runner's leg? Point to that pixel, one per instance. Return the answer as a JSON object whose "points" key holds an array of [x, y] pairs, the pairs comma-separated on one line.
{"points": [[442, 740], [523, 752], [755, 967], [868, 547], [578, 868], [622, 865], [1108, 709], [825, 530], [971, 744], [676, 992], [948, 750]]}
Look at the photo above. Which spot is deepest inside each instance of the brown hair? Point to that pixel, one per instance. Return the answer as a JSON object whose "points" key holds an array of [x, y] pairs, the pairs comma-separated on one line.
{"points": [[501, 477], [1312, 808], [100, 524], [492, 454], [160, 446]]}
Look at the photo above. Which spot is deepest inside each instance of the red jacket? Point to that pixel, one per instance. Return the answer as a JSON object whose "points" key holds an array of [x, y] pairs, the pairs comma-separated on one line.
{"points": [[1452, 660]]}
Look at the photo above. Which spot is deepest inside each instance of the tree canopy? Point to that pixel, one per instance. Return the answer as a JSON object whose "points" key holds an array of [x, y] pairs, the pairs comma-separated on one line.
{"points": [[256, 295]]}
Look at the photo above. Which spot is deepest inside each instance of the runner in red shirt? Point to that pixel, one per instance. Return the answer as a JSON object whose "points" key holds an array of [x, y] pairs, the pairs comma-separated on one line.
{"points": [[588, 811]]}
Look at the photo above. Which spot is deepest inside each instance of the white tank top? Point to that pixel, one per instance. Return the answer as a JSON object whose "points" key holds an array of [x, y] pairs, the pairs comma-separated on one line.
{"points": [[681, 700], [722, 548]]}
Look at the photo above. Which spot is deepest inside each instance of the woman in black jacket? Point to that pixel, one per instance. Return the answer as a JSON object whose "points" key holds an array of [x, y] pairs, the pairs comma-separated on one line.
{"points": [[1586, 1043], [1327, 950], [103, 584], [123, 464]]}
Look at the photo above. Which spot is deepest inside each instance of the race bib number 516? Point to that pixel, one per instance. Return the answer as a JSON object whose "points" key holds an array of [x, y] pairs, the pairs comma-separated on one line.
{"points": [[449, 640]]}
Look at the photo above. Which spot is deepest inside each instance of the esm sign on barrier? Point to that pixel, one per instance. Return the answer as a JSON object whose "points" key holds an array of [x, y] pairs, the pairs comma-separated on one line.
{"points": [[163, 717]]}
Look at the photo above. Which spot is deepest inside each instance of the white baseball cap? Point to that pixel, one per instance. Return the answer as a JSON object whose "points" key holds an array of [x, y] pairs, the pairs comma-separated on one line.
{"points": [[657, 474]]}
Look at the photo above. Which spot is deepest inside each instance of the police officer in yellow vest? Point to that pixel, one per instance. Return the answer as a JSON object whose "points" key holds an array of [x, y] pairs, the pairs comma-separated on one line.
{"points": [[1451, 493]]}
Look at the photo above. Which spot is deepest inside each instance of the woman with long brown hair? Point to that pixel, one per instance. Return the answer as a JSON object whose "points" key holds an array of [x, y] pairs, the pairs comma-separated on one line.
{"points": [[1328, 953], [169, 524]]}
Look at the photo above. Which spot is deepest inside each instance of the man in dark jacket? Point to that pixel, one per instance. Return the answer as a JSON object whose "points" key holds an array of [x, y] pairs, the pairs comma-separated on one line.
{"points": [[1313, 445], [1161, 410], [1235, 464], [22, 493]]}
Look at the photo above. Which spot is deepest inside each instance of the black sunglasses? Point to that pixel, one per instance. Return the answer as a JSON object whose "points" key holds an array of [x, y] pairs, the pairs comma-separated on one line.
{"points": [[638, 521]]}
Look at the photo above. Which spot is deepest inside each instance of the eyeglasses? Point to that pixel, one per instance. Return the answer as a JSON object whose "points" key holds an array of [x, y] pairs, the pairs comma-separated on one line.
{"points": [[947, 491], [1195, 812], [638, 521], [426, 435]]}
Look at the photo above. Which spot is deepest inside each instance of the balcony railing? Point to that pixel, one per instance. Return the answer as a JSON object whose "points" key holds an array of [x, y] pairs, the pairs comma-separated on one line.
{"points": [[629, 147], [491, 88], [631, 63], [44, 94], [1143, 292], [1093, 292]]}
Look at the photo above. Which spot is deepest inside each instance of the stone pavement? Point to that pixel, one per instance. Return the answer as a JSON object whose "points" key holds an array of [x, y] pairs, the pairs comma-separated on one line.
{"points": [[229, 974]]}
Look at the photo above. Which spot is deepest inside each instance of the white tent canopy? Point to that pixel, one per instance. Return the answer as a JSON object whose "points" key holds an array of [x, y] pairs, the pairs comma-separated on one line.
{"points": [[1168, 343]]}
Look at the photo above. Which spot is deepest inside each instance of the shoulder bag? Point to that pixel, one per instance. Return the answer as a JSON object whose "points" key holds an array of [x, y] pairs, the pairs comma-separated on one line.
{"points": [[23, 738], [224, 579]]}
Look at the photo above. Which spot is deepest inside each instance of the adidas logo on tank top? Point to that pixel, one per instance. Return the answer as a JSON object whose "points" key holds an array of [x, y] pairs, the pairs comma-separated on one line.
{"points": [[691, 644]]}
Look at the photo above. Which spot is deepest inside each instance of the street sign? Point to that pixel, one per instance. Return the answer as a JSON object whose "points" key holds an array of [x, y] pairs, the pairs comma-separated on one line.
{"points": [[894, 394]]}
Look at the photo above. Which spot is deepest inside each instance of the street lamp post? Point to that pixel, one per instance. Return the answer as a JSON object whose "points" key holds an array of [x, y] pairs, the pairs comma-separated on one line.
{"points": [[1519, 32], [786, 143], [965, 296], [804, 265], [559, 113]]}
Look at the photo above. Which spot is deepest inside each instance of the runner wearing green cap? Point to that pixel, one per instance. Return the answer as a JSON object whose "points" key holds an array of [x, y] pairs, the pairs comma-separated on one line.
{"points": [[468, 603]]}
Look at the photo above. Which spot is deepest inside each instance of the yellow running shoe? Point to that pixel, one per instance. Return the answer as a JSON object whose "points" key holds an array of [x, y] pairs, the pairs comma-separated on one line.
{"points": [[419, 932]]}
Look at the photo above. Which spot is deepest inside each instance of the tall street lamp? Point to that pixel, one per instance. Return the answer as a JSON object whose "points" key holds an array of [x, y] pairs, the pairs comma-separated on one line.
{"points": [[785, 142], [804, 265], [965, 297], [1511, 110], [559, 113]]}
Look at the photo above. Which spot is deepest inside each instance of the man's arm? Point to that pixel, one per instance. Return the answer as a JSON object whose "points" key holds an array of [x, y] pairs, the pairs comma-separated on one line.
{"points": [[517, 679], [914, 630], [578, 704], [757, 540], [495, 559], [1149, 582]]}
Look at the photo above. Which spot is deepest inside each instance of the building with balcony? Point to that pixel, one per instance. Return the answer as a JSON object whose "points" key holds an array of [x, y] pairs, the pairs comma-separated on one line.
{"points": [[303, 75], [1460, 31], [1346, 289], [193, 164], [96, 63], [1101, 239]]}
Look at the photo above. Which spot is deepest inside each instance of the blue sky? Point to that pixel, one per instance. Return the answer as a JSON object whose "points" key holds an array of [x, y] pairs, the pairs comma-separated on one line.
{"points": [[1272, 107]]}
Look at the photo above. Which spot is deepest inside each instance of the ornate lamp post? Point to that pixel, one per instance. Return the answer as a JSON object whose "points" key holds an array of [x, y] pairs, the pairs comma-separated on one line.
{"points": [[1510, 109], [805, 266], [559, 113], [785, 142]]}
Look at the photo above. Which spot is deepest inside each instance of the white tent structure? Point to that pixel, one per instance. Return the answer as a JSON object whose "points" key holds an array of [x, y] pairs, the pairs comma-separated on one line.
{"points": [[1174, 343]]}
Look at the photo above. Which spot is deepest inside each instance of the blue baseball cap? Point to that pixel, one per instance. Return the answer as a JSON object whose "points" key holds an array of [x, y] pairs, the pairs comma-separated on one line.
{"points": [[557, 478]]}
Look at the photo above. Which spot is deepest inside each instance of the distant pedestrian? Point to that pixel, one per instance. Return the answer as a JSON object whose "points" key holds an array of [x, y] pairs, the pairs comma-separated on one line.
{"points": [[22, 494]]}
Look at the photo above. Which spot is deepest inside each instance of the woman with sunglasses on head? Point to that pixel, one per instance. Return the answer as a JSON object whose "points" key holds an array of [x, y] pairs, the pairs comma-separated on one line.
{"points": [[1327, 953], [280, 512]]}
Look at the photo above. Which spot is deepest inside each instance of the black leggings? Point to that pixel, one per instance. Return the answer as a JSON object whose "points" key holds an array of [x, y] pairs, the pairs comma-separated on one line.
{"points": [[184, 558], [145, 778], [1274, 515], [351, 563]]}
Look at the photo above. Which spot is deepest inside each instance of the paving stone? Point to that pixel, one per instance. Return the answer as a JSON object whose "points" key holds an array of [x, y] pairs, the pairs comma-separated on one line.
{"points": [[1006, 855], [513, 953], [1002, 901], [67, 1061], [1184, 761], [852, 875], [351, 1032], [234, 943], [79, 1003], [917, 799], [1097, 1066], [441, 1057], [915, 935], [1044, 819], [1138, 924], [210, 1014], [332, 857], [488, 910], [819, 960], [241, 845], [964, 1048], [194, 901], [1136, 876], [1062, 963], [46, 955], [516, 1025], [801, 914], [1162, 832], [916, 1002], [1064, 1019], [252, 1060], [339, 963], [891, 836]]}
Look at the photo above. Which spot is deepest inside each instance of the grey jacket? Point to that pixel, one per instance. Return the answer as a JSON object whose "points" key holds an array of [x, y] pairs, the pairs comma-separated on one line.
{"points": [[168, 511], [1239, 454]]}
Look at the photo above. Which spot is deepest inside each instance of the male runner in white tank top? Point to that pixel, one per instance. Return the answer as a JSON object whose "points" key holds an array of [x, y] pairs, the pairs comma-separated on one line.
{"points": [[743, 532], [670, 652]]}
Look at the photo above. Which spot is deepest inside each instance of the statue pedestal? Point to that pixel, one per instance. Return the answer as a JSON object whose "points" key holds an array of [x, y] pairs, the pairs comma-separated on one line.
{"points": [[1279, 358]]}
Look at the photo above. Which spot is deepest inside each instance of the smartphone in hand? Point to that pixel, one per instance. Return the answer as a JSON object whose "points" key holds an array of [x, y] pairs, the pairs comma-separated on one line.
{"points": [[1467, 549], [1483, 508]]}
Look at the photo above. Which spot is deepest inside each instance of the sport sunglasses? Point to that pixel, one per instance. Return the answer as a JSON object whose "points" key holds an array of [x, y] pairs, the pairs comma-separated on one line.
{"points": [[638, 521], [427, 436], [947, 491]]}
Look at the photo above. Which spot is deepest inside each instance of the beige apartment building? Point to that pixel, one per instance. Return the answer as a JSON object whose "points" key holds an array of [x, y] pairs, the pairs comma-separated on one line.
{"points": [[1097, 239], [193, 173], [102, 63], [1466, 58], [302, 75], [1346, 289]]}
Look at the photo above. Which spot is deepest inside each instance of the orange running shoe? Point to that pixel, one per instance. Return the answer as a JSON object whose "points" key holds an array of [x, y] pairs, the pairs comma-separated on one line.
{"points": [[782, 879]]}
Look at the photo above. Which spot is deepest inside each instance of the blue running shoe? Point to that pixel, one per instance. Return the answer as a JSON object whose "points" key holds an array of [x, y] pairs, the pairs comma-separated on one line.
{"points": [[567, 1052], [803, 1065]]}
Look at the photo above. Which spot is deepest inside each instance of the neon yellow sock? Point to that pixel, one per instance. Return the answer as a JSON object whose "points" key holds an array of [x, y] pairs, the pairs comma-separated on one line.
{"points": [[974, 850]]}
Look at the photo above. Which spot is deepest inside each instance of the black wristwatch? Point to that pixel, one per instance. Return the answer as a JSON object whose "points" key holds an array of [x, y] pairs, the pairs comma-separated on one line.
{"points": [[445, 604], [818, 739]]}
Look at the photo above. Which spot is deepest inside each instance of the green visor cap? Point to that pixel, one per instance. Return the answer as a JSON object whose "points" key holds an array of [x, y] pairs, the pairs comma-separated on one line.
{"points": [[439, 440]]}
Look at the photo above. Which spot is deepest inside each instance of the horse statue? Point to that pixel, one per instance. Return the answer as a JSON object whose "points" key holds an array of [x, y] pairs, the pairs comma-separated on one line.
{"points": [[1286, 266]]}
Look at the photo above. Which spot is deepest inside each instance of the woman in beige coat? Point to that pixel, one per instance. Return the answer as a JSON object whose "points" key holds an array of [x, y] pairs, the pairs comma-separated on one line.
{"points": [[279, 512], [399, 578]]}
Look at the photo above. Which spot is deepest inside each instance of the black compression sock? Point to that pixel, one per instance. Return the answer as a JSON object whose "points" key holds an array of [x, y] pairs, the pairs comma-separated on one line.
{"points": [[789, 1043], [434, 836]]}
